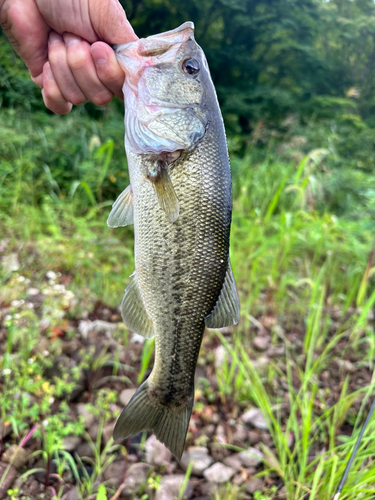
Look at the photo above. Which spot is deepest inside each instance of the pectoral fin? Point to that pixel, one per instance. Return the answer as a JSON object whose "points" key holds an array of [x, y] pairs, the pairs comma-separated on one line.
{"points": [[227, 309], [133, 310], [165, 191], [122, 209]]}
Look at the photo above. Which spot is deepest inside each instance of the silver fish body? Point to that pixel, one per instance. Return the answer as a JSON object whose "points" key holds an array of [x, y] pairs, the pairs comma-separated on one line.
{"points": [[180, 201]]}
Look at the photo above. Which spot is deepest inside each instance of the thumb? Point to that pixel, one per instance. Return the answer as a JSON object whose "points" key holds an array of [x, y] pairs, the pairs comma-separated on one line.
{"points": [[109, 21]]}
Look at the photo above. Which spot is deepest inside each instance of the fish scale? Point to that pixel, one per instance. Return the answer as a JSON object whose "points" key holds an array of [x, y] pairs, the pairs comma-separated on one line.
{"points": [[181, 210]]}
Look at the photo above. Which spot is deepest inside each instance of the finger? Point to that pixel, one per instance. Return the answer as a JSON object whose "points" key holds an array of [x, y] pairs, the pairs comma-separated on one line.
{"points": [[83, 69], [64, 77], [52, 96], [110, 23], [27, 32], [107, 67]]}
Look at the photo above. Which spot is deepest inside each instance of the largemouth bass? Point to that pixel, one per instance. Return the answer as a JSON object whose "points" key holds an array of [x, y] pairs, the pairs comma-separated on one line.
{"points": [[180, 202]]}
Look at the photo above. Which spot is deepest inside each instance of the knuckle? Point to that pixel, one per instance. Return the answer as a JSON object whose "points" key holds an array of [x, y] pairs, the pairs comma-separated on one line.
{"points": [[56, 53], [101, 98], [76, 98], [78, 57]]}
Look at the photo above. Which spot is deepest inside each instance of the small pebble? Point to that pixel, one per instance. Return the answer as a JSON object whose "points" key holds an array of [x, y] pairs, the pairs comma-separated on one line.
{"points": [[261, 343], [88, 417], [218, 473], [15, 455], [70, 443], [255, 418], [170, 487], [233, 461], [200, 458], [251, 457], [255, 484], [114, 473], [136, 478], [156, 452], [126, 395]]}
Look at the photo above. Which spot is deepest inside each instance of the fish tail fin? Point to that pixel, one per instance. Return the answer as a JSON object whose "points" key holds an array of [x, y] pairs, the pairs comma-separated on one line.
{"points": [[169, 424]]}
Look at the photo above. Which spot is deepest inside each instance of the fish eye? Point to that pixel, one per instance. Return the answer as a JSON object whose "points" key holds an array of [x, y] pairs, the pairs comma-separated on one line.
{"points": [[191, 66]]}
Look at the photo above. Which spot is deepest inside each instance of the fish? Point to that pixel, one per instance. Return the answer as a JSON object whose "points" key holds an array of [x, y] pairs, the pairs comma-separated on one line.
{"points": [[180, 202]]}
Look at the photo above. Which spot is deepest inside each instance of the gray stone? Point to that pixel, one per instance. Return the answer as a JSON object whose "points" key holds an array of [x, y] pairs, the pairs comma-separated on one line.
{"points": [[15, 455], [136, 477], [219, 473], [126, 395], [88, 417], [70, 443], [255, 484], [251, 457], [233, 461], [255, 418], [261, 343], [84, 450], [240, 434], [73, 494], [170, 488], [108, 431], [114, 473], [7, 475], [156, 452], [220, 353], [200, 457]]}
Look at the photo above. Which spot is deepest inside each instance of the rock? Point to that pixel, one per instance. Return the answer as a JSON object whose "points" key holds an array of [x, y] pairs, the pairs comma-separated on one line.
{"points": [[233, 461], [255, 484], [29, 486], [255, 418], [240, 435], [156, 452], [70, 443], [136, 477], [84, 450], [251, 457], [85, 412], [170, 488], [126, 395], [281, 495], [220, 354], [219, 473], [93, 431], [15, 455], [73, 494], [108, 431], [218, 452], [200, 457], [261, 343], [114, 473], [7, 475]]}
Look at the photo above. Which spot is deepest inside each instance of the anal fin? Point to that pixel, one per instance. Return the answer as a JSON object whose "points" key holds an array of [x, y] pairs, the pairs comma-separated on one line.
{"points": [[122, 209], [227, 309], [133, 310]]}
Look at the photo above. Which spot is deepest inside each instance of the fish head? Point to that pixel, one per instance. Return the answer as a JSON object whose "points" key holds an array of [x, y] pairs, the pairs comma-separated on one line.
{"points": [[166, 83]]}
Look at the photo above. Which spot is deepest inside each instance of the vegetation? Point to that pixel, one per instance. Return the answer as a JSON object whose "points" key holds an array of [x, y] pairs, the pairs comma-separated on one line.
{"points": [[296, 85]]}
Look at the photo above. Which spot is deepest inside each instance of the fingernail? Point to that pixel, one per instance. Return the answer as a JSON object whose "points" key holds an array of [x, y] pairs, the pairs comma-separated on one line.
{"points": [[99, 55], [54, 38], [49, 72]]}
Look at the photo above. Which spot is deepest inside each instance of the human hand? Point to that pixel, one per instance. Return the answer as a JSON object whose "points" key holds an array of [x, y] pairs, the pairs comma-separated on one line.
{"points": [[53, 38]]}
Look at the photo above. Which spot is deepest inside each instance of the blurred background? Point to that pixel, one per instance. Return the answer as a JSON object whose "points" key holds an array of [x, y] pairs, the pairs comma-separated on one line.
{"points": [[296, 86]]}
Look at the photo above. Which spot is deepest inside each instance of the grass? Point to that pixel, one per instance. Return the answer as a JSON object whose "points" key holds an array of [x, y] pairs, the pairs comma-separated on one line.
{"points": [[305, 278]]}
